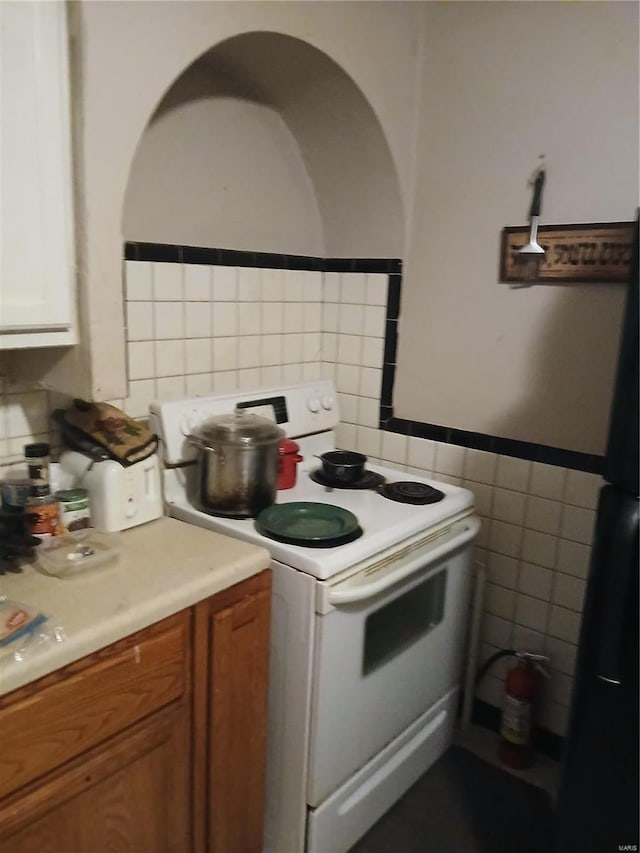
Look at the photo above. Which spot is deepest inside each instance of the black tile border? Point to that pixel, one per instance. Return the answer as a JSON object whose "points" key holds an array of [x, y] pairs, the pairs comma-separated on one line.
{"points": [[168, 253], [492, 443], [390, 347], [173, 254], [393, 298], [373, 265], [163, 252]]}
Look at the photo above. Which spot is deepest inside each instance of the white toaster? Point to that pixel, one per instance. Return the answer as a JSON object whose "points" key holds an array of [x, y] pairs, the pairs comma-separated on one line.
{"points": [[119, 497]]}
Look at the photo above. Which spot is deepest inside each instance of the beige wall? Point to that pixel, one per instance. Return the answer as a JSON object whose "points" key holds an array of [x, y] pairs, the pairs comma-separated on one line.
{"points": [[216, 168], [464, 97], [127, 55], [276, 156], [504, 83]]}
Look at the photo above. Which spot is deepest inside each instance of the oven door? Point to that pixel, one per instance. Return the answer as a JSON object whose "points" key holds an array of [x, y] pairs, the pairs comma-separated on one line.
{"points": [[387, 650]]}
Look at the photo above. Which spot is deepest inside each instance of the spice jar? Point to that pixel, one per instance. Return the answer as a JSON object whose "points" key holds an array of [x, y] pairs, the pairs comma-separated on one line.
{"points": [[37, 459], [40, 507], [288, 463], [42, 513]]}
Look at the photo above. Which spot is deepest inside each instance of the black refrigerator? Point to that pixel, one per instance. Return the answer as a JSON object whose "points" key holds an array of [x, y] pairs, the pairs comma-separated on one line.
{"points": [[597, 806]]}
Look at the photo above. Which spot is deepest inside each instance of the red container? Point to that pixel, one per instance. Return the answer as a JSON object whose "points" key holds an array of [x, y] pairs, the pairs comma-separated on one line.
{"points": [[288, 467]]}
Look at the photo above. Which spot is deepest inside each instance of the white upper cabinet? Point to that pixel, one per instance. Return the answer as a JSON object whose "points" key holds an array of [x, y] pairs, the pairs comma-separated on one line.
{"points": [[37, 287]]}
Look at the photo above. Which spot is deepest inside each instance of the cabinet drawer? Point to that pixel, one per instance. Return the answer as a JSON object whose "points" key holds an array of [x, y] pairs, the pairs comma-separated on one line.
{"points": [[91, 700]]}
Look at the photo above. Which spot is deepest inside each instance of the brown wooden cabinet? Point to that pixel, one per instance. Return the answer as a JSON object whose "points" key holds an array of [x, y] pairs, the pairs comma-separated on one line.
{"points": [[153, 744]]}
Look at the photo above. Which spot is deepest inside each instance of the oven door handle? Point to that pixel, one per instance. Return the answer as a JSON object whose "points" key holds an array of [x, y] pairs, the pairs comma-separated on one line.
{"points": [[359, 587]]}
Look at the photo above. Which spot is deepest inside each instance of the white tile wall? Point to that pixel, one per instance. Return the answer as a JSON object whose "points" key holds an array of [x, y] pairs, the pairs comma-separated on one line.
{"points": [[217, 328], [195, 329], [539, 545]]}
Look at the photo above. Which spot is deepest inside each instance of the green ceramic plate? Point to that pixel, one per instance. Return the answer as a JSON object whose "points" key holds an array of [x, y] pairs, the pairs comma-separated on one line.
{"points": [[308, 523]]}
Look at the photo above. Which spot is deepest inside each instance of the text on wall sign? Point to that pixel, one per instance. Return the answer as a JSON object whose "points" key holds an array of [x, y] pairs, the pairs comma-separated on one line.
{"points": [[580, 253]]}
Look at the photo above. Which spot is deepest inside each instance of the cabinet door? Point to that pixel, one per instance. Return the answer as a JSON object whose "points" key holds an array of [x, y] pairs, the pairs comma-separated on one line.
{"points": [[37, 251], [57, 719], [130, 795], [237, 633]]}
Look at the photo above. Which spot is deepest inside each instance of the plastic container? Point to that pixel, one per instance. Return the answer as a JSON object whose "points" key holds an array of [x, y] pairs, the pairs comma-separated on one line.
{"points": [[78, 552], [15, 489]]}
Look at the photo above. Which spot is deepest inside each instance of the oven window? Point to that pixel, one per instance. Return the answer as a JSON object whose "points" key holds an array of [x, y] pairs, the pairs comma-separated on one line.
{"points": [[395, 626]]}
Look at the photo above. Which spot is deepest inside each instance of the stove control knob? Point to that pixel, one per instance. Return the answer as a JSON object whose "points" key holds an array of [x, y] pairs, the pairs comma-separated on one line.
{"points": [[313, 404], [327, 402]]}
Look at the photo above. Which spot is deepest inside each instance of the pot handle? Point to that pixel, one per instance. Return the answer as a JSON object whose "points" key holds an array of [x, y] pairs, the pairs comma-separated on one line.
{"points": [[200, 443]]}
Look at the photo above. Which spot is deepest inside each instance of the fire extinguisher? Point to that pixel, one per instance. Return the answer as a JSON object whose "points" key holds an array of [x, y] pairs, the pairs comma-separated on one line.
{"points": [[521, 690]]}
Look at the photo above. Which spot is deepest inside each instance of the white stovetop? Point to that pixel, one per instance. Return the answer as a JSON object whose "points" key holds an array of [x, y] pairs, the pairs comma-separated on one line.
{"points": [[385, 523], [309, 413]]}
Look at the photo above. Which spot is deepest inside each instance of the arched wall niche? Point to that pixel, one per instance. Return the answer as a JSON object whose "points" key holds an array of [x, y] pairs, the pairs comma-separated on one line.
{"points": [[126, 56], [265, 143]]}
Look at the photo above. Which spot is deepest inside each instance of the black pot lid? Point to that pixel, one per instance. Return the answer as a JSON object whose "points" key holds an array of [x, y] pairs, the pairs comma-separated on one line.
{"points": [[308, 523]]}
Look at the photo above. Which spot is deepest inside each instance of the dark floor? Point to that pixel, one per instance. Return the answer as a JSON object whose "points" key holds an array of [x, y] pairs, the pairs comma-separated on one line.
{"points": [[464, 805]]}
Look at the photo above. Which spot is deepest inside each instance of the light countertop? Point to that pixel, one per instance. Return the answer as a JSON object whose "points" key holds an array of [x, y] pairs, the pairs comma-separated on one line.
{"points": [[163, 567]]}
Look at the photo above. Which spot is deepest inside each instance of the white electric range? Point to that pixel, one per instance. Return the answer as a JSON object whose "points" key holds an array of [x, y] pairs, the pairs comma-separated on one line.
{"points": [[366, 637]]}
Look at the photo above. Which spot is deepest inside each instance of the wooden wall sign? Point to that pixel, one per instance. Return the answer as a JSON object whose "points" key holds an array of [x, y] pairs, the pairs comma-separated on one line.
{"points": [[585, 253]]}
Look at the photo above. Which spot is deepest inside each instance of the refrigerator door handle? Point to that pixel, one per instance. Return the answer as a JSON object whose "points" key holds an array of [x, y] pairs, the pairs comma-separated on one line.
{"points": [[615, 681], [614, 606]]}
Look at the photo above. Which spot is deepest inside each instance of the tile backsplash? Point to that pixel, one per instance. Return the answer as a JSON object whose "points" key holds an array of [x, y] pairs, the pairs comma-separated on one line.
{"points": [[25, 416], [193, 329]]}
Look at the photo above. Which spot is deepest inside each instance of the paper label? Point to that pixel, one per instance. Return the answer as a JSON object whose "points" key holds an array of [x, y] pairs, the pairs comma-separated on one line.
{"points": [[516, 721]]}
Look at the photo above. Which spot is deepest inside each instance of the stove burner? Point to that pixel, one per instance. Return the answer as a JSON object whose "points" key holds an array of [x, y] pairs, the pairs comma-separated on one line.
{"points": [[409, 492], [369, 480]]}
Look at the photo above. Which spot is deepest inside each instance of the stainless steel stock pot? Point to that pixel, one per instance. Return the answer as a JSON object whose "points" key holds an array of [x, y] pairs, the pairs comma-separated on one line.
{"points": [[237, 463]]}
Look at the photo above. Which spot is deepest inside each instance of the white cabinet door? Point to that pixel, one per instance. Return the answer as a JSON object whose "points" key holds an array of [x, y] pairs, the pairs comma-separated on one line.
{"points": [[37, 284]]}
